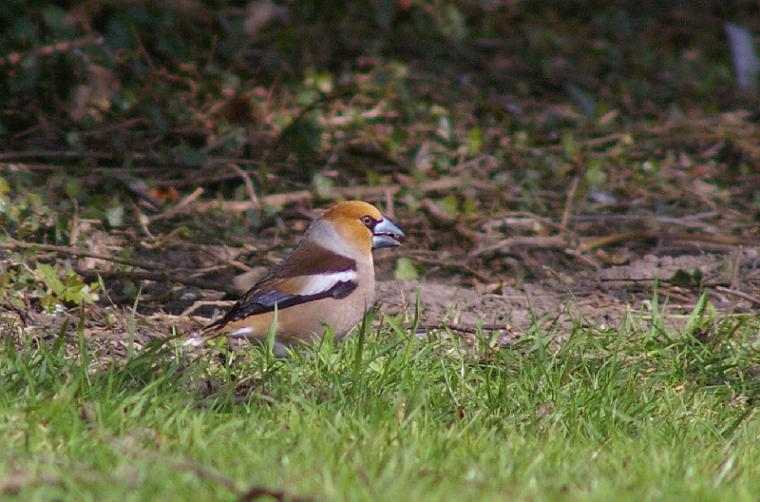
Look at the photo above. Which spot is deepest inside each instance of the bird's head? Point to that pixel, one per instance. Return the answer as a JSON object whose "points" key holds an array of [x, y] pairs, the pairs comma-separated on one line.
{"points": [[362, 226]]}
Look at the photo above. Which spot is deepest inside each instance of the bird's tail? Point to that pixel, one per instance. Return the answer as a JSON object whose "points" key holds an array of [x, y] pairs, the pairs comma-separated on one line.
{"points": [[194, 340], [202, 336]]}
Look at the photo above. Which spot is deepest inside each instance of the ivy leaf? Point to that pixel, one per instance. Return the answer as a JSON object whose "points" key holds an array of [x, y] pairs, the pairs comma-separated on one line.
{"points": [[323, 186], [450, 204], [49, 276], [686, 279], [406, 270], [115, 216]]}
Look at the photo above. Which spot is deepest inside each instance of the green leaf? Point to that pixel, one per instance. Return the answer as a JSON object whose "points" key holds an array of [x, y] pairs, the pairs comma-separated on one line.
{"points": [[115, 216], [476, 141], [323, 185], [405, 270], [452, 22], [73, 188], [302, 136], [64, 286], [49, 276], [324, 82], [468, 206], [690, 279], [450, 204], [569, 145]]}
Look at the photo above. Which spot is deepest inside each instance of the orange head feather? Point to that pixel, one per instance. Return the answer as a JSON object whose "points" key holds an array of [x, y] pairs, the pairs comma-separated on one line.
{"points": [[352, 220]]}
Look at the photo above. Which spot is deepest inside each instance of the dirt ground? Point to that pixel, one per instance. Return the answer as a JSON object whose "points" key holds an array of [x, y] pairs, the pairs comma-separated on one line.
{"points": [[508, 300], [597, 297], [538, 184]]}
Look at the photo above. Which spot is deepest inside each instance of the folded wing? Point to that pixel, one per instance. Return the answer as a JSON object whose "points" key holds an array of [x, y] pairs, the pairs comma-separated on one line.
{"points": [[311, 273]]}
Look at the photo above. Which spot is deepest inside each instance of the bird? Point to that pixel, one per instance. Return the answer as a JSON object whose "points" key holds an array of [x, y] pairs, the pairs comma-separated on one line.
{"points": [[327, 280]]}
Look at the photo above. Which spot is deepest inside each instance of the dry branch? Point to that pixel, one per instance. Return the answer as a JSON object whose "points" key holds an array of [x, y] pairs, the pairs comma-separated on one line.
{"points": [[181, 205], [454, 265], [607, 240], [248, 185], [569, 199], [157, 276], [471, 329], [153, 271], [503, 246], [689, 220], [739, 294], [205, 303], [591, 243], [64, 46], [19, 245], [504, 220], [354, 192]]}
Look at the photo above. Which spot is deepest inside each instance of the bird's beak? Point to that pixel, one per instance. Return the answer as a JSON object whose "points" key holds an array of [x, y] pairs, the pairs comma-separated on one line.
{"points": [[386, 234]]}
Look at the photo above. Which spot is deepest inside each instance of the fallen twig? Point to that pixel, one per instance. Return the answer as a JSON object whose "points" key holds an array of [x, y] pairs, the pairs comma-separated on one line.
{"points": [[16, 57], [354, 192], [17, 245], [689, 220], [19, 156], [205, 303], [158, 276], [181, 205], [464, 328], [736, 262], [607, 240], [457, 266], [437, 213], [569, 201], [739, 294], [596, 242], [248, 185], [546, 242], [591, 143], [444, 219], [68, 154], [241, 206], [527, 214], [589, 244]]}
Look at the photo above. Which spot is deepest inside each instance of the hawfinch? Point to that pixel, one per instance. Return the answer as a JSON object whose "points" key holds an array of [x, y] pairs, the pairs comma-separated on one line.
{"points": [[328, 279]]}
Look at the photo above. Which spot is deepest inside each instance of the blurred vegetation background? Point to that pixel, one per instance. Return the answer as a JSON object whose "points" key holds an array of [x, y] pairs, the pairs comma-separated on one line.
{"points": [[184, 80], [598, 115], [582, 175]]}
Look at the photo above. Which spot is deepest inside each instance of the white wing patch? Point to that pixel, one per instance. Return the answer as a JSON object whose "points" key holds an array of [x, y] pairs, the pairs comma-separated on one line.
{"points": [[323, 282]]}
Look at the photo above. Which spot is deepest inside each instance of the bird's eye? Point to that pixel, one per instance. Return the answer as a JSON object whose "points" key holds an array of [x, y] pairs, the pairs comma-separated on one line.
{"points": [[367, 220]]}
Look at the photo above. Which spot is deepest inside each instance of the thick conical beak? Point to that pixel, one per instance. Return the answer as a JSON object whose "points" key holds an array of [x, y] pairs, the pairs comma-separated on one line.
{"points": [[386, 234]]}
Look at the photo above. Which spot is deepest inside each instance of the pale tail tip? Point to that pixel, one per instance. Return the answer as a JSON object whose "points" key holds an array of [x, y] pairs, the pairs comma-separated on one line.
{"points": [[195, 341]]}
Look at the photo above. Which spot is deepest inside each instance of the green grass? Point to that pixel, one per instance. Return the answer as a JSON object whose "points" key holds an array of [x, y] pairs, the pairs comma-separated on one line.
{"points": [[637, 412]]}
